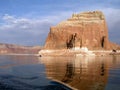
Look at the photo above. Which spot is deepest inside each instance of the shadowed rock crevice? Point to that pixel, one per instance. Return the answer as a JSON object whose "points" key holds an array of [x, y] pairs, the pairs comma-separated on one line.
{"points": [[102, 41], [71, 42]]}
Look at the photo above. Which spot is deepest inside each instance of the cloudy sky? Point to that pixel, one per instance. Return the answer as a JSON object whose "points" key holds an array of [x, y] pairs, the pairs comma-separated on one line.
{"points": [[27, 22]]}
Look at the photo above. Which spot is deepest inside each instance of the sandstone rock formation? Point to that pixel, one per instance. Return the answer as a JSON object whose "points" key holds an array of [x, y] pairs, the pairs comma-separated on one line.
{"points": [[87, 29]]}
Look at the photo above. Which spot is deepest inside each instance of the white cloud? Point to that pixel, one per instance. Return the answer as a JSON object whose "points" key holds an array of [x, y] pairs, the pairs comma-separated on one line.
{"points": [[8, 18], [27, 31], [20, 23], [23, 30], [34, 25]]}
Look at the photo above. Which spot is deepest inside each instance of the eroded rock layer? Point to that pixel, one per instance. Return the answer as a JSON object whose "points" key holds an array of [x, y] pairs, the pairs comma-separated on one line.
{"points": [[87, 29]]}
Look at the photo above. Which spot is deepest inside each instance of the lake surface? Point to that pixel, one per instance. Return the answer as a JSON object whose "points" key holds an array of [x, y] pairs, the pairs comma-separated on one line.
{"points": [[56, 73]]}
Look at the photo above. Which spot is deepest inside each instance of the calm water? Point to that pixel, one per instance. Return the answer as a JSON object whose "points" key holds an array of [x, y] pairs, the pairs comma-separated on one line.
{"points": [[83, 73]]}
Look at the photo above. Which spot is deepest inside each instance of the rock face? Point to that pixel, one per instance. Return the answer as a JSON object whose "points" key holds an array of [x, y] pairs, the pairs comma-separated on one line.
{"points": [[87, 29]]}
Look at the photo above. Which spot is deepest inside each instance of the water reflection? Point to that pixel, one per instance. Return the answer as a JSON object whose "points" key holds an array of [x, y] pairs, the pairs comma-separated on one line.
{"points": [[69, 74], [25, 73], [102, 69], [51, 73], [83, 73]]}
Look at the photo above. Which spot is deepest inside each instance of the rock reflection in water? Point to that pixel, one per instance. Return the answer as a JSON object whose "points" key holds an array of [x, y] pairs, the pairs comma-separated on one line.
{"points": [[70, 70], [83, 73]]}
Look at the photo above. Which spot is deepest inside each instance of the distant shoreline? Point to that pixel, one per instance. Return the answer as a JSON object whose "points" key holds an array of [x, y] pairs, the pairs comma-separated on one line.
{"points": [[20, 54]]}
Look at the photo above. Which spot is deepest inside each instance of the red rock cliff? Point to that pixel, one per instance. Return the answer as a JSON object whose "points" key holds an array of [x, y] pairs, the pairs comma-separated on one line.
{"points": [[87, 29]]}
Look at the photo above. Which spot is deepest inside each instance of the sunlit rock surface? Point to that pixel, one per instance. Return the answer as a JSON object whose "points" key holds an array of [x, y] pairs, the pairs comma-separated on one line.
{"points": [[87, 29]]}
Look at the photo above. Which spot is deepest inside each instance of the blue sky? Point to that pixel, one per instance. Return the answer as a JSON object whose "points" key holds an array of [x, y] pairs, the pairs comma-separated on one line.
{"points": [[27, 22]]}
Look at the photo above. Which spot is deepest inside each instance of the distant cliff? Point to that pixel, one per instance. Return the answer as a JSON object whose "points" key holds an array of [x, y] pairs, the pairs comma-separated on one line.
{"points": [[87, 29], [17, 49]]}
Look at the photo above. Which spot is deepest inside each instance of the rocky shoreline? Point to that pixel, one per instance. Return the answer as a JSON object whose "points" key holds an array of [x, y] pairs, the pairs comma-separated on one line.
{"points": [[81, 52]]}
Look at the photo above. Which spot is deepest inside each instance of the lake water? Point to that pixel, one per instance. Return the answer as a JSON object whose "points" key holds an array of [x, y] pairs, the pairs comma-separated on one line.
{"points": [[51, 73]]}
